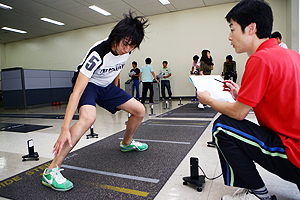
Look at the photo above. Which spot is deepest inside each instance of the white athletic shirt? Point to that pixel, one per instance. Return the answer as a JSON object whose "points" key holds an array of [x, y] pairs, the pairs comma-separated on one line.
{"points": [[101, 65]]}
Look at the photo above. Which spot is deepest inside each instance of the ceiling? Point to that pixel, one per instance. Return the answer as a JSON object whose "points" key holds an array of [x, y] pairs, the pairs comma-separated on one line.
{"points": [[26, 14]]}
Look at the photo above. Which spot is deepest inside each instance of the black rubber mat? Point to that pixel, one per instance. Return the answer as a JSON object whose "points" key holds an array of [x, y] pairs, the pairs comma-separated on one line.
{"points": [[102, 171], [21, 128], [190, 110], [42, 116]]}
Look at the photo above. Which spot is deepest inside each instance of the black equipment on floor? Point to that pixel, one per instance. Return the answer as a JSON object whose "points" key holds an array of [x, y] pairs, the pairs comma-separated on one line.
{"points": [[92, 134], [32, 155], [166, 105], [194, 179], [180, 104], [151, 107]]}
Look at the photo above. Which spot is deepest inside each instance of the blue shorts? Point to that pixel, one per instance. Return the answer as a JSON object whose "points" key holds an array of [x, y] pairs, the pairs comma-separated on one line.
{"points": [[109, 97]]}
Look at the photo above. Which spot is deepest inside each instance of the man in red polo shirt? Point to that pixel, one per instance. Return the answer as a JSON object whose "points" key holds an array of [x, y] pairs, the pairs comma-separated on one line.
{"points": [[270, 85]]}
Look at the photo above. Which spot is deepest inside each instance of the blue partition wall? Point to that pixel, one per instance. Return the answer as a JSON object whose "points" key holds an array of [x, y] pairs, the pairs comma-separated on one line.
{"points": [[28, 87], [61, 85], [12, 87]]}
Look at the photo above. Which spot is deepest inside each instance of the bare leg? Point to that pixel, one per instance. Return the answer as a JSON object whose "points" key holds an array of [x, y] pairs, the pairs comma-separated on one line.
{"points": [[87, 117], [137, 111]]}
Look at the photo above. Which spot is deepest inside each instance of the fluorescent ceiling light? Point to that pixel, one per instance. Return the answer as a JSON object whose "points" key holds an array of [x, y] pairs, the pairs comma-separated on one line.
{"points": [[99, 10], [13, 30], [52, 21], [5, 6], [164, 2]]}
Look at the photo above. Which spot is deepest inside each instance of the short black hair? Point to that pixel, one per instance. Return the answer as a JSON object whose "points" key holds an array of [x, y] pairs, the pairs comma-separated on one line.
{"points": [[195, 57], [229, 57], [134, 63], [131, 27], [165, 62], [276, 34], [148, 61], [253, 11]]}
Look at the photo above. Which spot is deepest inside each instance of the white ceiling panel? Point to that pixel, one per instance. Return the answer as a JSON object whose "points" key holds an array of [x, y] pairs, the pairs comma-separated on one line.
{"points": [[76, 14], [217, 2], [187, 4]]}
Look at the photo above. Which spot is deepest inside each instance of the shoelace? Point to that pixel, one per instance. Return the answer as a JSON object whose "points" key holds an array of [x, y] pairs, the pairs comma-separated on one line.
{"points": [[241, 192], [136, 143], [58, 176]]}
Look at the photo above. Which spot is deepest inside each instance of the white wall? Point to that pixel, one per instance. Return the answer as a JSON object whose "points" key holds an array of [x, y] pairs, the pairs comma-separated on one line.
{"points": [[175, 37]]}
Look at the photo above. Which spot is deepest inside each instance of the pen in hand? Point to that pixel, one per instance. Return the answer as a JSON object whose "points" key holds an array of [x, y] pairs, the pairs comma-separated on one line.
{"points": [[219, 80]]}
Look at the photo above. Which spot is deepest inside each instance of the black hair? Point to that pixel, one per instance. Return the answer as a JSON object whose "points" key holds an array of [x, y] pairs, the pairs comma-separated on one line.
{"points": [[229, 57], [131, 27], [165, 62], [195, 57], [253, 11], [276, 35], [134, 62], [205, 59], [148, 61]]}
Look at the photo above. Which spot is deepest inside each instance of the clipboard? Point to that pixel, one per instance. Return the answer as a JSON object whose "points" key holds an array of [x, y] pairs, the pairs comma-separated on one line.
{"points": [[215, 88]]}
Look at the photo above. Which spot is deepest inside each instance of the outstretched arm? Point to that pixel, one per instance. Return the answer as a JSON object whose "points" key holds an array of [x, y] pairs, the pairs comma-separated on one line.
{"points": [[153, 74], [65, 135]]}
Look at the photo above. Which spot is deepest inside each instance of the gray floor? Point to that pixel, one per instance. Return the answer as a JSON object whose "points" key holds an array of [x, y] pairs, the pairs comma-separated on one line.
{"points": [[13, 146]]}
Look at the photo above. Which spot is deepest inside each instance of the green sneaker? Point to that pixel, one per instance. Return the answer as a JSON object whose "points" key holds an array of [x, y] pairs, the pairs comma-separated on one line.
{"points": [[55, 180], [134, 146]]}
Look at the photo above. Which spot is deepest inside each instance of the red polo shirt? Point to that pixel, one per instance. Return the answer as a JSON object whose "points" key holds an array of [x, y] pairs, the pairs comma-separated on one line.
{"points": [[271, 85]]}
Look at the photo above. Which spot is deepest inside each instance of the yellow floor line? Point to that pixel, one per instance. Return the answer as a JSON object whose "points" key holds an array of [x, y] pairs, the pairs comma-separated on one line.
{"points": [[119, 189]]}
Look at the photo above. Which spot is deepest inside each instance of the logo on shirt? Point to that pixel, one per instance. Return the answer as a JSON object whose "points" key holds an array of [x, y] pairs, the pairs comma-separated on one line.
{"points": [[111, 69]]}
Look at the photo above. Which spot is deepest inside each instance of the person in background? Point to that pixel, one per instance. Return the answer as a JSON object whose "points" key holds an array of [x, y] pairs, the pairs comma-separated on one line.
{"points": [[195, 71], [165, 80], [229, 69], [194, 64], [278, 38], [205, 63], [146, 74], [136, 80], [205, 66]]}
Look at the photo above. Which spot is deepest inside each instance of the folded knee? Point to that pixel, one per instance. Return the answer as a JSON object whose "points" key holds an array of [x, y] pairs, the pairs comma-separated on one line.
{"points": [[87, 120], [140, 112]]}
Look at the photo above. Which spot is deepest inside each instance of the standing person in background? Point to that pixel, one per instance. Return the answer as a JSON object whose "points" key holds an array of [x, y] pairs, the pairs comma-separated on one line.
{"points": [[194, 64], [146, 74], [278, 38], [165, 81], [135, 78], [229, 69], [205, 66]]}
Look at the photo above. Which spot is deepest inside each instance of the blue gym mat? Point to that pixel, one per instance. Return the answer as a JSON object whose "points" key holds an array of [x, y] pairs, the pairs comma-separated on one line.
{"points": [[102, 171]]}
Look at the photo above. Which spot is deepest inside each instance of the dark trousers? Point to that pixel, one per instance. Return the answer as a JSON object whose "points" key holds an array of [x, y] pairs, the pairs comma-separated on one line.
{"points": [[228, 75], [135, 86], [241, 143], [146, 86], [165, 83]]}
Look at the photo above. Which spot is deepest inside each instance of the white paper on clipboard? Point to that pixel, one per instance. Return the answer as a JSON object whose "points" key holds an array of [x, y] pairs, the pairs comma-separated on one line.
{"points": [[215, 88]]}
